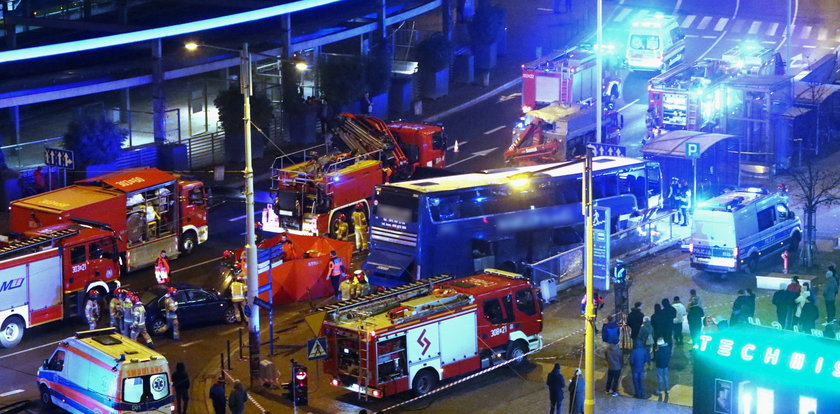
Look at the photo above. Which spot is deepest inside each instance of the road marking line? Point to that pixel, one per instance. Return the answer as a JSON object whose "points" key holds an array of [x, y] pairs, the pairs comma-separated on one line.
{"points": [[691, 35], [471, 157], [677, 7], [809, 46], [28, 349], [688, 21], [545, 9], [772, 30], [704, 22], [823, 34], [721, 24], [495, 129], [769, 42], [189, 343], [628, 105], [13, 392], [196, 264], [622, 14], [709, 37], [754, 27], [736, 28], [806, 32], [451, 147], [237, 218]]}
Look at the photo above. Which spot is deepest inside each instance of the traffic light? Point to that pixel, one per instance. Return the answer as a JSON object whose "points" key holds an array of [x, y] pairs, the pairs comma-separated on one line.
{"points": [[297, 390], [619, 273]]}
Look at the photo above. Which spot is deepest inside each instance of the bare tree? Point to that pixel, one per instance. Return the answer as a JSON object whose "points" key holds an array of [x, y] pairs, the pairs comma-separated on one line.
{"points": [[816, 187]]}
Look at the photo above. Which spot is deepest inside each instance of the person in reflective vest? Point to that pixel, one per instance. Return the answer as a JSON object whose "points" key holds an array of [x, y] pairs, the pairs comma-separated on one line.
{"points": [[115, 309], [335, 270], [162, 268], [138, 326], [348, 287], [360, 227], [127, 313], [237, 296], [341, 227], [92, 309], [362, 287], [170, 306]]}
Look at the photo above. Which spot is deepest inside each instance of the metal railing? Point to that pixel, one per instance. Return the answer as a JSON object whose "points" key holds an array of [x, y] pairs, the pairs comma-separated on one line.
{"points": [[29, 154], [205, 150], [645, 236]]}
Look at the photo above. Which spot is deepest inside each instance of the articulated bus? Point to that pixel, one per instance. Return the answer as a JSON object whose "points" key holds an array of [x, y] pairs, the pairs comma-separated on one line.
{"points": [[503, 218]]}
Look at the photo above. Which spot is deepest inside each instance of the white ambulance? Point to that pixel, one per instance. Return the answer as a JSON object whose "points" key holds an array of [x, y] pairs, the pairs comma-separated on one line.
{"points": [[654, 43], [735, 230], [103, 372]]}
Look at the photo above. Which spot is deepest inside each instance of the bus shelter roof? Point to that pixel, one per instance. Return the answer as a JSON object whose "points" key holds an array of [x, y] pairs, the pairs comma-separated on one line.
{"points": [[673, 143]]}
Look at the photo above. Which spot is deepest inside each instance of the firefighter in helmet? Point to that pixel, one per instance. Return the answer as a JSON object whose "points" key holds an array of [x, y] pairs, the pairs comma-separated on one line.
{"points": [[289, 251], [237, 296], [115, 309], [138, 326], [92, 309], [362, 286], [341, 227], [335, 270], [348, 287], [162, 268], [360, 227], [127, 312], [170, 306]]}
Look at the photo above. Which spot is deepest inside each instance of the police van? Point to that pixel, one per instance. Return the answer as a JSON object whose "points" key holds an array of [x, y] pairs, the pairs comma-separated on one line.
{"points": [[654, 43], [101, 372], [735, 230]]}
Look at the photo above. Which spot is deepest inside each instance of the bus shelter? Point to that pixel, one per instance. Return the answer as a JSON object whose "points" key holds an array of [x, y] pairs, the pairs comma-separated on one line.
{"points": [[717, 165], [762, 370]]}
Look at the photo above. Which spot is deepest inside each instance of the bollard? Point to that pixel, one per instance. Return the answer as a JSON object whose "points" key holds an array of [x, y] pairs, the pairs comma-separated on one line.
{"points": [[241, 356], [228, 352], [222, 363]]}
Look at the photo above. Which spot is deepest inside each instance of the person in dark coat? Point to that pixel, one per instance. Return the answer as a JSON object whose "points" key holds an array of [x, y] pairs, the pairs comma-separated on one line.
{"points": [[577, 393], [635, 320], [739, 308], [238, 398], [181, 383], [671, 314], [639, 357], [662, 357], [808, 317], [662, 324], [610, 332], [749, 302], [785, 302], [556, 383], [217, 396], [695, 321], [615, 361], [645, 337]]}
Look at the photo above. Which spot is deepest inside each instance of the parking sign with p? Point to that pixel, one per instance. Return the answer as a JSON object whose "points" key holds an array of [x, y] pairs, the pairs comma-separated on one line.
{"points": [[692, 150]]}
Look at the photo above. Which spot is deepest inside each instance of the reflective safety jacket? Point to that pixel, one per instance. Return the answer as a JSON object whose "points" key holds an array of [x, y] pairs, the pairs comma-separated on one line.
{"points": [[139, 315], [171, 307], [237, 291]]}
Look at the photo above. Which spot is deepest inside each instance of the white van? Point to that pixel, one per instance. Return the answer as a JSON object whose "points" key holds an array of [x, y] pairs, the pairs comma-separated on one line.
{"points": [[101, 371], [654, 43], [735, 230]]}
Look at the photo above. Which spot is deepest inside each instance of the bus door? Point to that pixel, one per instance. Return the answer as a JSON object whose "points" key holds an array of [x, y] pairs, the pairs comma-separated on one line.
{"points": [[654, 186]]}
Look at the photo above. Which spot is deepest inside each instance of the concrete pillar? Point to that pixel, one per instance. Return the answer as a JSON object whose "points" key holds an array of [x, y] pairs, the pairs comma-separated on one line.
{"points": [[381, 15], [87, 10], [286, 35], [10, 29], [15, 113], [158, 93], [446, 17]]}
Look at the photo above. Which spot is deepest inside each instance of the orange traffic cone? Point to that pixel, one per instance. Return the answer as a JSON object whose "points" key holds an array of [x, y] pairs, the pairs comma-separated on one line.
{"points": [[456, 147]]}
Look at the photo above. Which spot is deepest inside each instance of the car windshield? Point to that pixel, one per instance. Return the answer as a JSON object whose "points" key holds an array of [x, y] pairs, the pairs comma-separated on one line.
{"points": [[146, 388], [644, 42]]}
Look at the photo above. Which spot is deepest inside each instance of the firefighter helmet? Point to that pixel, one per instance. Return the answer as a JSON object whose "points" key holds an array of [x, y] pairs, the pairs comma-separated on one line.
{"points": [[171, 290], [359, 206], [358, 272], [227, 254], [135, 298], [342, 217]]}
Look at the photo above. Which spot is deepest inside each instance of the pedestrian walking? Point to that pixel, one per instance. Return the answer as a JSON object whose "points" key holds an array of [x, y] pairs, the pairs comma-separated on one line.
{"points": [[695, 319], [577, 393], [662, 357], [830, 294], [615, 362], [115, 309], [181, 383], [673, 191], [170, 307], [684, 199], [360, 227], [237, 296], [646, 333], [556, 383], [801, 300], [681, 313], [670, 315], [785, 302], [162, 268], [635, 319], [138, 327], [217, 396], [639, 358], [610, 332], [92, 309], [237, 399], [794, 285], [694, 299], [810, 314], [335, 271]]}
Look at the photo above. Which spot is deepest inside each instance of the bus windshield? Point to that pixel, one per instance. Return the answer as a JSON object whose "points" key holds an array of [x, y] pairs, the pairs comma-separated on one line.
{"points": [[396, 205], [644, 42], [145, 389]]}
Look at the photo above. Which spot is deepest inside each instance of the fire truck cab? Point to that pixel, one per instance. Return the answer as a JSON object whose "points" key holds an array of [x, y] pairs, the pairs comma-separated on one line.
{"points": [[689, 96], [654, 43], [412, 337]]}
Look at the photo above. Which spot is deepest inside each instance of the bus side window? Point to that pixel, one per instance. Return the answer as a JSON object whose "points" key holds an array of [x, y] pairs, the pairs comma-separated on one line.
{"points": [[654, 181]]}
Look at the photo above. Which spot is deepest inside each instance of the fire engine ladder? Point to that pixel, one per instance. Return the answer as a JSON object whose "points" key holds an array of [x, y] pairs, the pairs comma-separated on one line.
{"points": [[364, 348], [369, 135], [35, 243], [566, 83]]}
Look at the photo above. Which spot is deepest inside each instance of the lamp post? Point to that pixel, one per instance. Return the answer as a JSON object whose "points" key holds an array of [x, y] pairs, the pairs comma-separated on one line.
{"points": [[246, 87]]}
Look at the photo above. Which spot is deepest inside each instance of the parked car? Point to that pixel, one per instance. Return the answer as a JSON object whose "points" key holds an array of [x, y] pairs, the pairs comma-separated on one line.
{"points": [[196, 306]]}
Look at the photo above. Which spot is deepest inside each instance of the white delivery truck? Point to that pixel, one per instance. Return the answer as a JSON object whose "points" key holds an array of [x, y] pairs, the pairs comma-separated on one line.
{"points": [[734, 231], [101, 371]]}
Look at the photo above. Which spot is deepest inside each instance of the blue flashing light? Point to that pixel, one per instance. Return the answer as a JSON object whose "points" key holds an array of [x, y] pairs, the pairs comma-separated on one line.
{"points": [[160, 32], [336, 179]]}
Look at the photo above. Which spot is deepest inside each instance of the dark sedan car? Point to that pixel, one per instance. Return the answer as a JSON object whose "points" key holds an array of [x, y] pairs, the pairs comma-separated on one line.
{"points": [[196, 306]]}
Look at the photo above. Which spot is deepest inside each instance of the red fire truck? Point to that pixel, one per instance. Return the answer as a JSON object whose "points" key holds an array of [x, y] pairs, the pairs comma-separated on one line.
{"points": [[47, 275], [412, 337], [149, 210], [309, 195], [689, 96], [568, 77]]}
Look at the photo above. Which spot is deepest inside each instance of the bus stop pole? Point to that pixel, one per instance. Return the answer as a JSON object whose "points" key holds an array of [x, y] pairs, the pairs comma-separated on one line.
{"points": [[589, 339], [694, 191]]}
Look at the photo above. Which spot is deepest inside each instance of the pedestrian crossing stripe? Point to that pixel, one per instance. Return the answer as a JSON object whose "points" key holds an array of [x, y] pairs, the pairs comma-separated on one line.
{"points": [[317, 348]]}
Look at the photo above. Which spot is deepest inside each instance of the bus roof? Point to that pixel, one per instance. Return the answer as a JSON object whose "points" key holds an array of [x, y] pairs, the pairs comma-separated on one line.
{"points": [[499, 176]]}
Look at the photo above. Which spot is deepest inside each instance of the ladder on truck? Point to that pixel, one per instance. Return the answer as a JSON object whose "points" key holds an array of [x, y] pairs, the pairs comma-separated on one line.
{"points": [[566, 83], [363, 350], [36, 243], [367, 135]]}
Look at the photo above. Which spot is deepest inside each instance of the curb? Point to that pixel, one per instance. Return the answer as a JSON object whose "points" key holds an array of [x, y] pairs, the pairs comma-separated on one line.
{"points": [[473, 101]]}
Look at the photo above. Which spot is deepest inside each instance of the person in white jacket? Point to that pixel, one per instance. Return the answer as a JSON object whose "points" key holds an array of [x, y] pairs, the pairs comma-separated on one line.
{"points": [[801, 300], [678, 320]]}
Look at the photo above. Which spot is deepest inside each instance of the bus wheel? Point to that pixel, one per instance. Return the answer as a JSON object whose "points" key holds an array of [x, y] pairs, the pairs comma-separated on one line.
{"points": [[46, 399], [11, 332], [424, 381]]}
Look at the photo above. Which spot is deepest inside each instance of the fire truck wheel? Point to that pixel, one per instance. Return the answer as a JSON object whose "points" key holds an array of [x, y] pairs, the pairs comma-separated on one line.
{"points": [[516, 352], [424, 381], [188, 243], [46, 400], [11, 332]]}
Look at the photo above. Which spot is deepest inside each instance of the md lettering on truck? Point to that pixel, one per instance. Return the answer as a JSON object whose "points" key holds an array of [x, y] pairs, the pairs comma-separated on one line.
{"points": [[11, 284]]}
